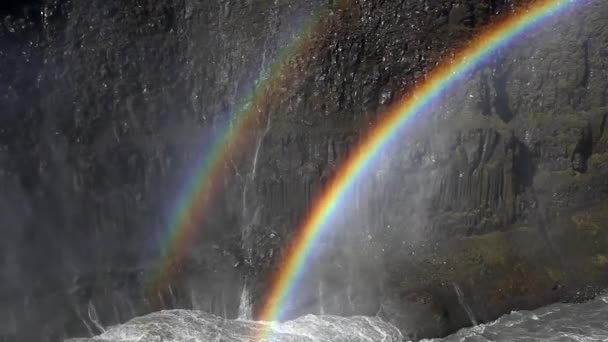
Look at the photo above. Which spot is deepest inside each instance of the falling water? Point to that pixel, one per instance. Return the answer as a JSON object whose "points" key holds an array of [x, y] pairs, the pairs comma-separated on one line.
{"points": [[251, 177], [464, 305], [194, 300], [350, 292], [172, 296], [320, 294], [245, 310], [115, 311], [92, 313]]}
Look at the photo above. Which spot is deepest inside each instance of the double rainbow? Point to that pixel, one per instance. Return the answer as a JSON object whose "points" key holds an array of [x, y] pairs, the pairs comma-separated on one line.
{"points": [[421, 98], [188, 215]]}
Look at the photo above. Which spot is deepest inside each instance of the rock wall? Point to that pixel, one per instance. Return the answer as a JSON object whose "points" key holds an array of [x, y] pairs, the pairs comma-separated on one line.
{"points": [[499, 192], [502, 165]]}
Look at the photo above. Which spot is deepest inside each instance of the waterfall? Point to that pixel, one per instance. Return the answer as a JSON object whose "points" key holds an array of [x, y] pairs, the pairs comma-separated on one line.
{"points": [[464, 305], [93, 317], [245, 309], [194, 300], [172, 297], [251, 176], [320, 294]]}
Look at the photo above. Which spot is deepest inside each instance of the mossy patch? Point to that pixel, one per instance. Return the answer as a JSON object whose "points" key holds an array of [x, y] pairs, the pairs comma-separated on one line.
{"points": [[600, 260], [540, 117], [555, 274], [598, 160], [594, 219], [561, 180], [476, 256]]}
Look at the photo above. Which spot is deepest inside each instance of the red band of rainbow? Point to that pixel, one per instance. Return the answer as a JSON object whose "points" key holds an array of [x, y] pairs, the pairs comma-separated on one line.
{"points": [[446, 75]]}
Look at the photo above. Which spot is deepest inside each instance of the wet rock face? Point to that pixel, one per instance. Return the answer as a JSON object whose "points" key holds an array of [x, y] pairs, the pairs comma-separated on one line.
{"points": [[107, 107], [490, 179]]}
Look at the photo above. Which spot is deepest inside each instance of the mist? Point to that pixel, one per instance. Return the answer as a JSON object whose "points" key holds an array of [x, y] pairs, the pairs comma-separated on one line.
{"points": [[493, 199]]}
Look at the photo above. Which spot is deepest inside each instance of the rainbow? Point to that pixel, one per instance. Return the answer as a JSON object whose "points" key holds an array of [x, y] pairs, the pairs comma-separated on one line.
{"points": [[497, 35], [184, 223]]}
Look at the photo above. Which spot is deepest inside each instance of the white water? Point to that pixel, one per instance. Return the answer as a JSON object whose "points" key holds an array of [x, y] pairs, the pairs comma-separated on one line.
{"points": [[558, 322], [245, 308], [198, 326]]}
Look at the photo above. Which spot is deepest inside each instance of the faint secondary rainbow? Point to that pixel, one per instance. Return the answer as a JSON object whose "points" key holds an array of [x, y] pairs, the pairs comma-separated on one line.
{"points": [[421, 97], [184, 223]]}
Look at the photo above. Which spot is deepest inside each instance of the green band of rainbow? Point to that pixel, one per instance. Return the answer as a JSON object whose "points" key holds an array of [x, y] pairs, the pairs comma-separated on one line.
{"points": [[495, 36], [185, 222]]}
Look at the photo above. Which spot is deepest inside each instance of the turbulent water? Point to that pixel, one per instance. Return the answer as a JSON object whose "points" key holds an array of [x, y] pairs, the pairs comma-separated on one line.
{"points": [[198, 326], [557, 322]]}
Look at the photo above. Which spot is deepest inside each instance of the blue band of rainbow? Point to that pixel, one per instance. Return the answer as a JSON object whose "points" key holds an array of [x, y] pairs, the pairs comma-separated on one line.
{"points": [[438, 81]]}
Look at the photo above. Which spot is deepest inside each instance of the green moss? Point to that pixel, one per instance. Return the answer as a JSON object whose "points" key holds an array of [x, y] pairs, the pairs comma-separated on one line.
{"points": [[469, 121], [539, 117], [598, 160], [594, 220], [563, 84], [517, 264], [554, 274], [559, 180], [493, 247], [469, 257], [600, 260]]}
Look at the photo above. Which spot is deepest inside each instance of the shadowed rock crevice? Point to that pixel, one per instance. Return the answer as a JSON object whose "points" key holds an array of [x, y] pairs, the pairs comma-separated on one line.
{"points": [[582, 150], [501, 101]]}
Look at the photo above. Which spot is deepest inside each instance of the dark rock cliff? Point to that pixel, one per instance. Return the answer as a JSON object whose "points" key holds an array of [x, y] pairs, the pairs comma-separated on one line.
{"points": [[495, 200]]}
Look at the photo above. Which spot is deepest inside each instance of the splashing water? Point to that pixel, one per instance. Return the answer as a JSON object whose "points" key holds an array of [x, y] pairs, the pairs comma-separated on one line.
{"points": [[557, 322]]}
